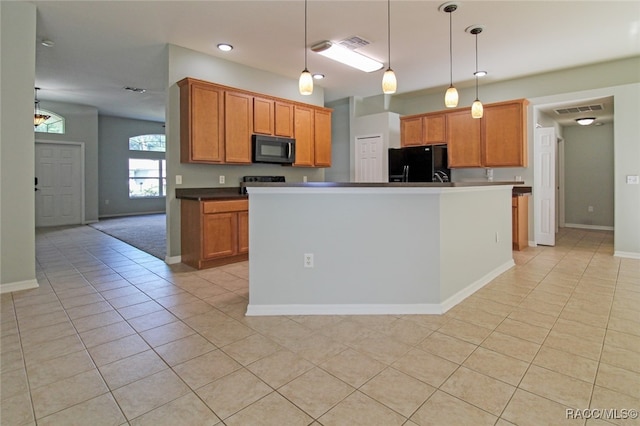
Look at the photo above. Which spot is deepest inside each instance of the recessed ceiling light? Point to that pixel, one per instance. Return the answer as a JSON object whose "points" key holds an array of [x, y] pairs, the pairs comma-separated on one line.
{"points": [[47, 43], [480, 73], [318, 76], [225, 47]]}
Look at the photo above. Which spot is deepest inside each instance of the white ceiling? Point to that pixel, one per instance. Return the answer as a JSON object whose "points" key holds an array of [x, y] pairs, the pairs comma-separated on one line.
{"points": [[103, 46]]}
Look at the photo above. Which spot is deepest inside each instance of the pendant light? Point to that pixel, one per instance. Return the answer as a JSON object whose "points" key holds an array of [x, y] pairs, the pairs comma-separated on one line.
{"points": [[38, 117], [476, 108], [305, 84], [451, 96], [389, 82]]}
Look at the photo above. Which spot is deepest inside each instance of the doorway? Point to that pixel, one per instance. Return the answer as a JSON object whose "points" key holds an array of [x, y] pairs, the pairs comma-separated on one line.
{"points": [[369, 161], [59, 183]]}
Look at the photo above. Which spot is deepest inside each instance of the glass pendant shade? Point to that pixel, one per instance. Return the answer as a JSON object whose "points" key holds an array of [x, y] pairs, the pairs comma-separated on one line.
{"points": [[38, 117], [305, 84], [451, 97], [389, 82], [476, 109]]}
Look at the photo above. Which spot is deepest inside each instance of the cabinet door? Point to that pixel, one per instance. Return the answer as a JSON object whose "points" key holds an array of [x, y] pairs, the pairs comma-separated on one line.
{"points": [[505, 140], [201, 118], [238, 125], [411, 131], [283, 119], [263, 116], [322, 138], [463, 133], [220, 235], [243, 232], [304, 136], [435, 129]]}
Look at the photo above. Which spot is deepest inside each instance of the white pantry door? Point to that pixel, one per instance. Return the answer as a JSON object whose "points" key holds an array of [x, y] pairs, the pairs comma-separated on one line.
{"points": [[59, 174], [369, 161], [544, 186]]}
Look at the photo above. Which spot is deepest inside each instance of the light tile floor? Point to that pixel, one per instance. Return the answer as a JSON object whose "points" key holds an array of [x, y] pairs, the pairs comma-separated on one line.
{"points": [[114, 336]]}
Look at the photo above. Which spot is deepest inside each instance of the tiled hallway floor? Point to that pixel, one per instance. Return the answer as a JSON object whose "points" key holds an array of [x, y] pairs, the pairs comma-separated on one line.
{"points": [[114, 336]]}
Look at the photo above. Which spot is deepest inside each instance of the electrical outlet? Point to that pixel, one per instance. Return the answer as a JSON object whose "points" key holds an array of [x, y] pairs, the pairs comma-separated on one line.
{"points": [[221, 180], [308, 260], [304, 178], [178, 179], [590, 209]]}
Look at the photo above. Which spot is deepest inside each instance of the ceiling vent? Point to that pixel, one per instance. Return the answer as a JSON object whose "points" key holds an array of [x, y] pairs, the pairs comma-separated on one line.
{"points": [[354, 42], [579, 109]]}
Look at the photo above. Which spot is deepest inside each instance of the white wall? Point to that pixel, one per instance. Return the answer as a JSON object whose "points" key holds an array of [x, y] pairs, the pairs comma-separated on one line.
{"points": [[188, 63], [589, 175], [17, 146]]}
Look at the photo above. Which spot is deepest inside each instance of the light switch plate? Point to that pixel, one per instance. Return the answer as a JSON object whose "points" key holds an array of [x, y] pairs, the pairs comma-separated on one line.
{"points": [[633, 179], [178, 179]]}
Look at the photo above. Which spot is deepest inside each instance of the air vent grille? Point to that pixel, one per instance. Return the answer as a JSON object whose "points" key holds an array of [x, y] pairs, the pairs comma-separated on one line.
{"points": [[354, 42], [579, 109]]}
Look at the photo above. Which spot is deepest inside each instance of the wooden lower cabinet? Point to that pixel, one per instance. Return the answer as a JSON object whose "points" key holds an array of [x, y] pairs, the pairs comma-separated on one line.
{"points": [[214, 233], [520, 221]]}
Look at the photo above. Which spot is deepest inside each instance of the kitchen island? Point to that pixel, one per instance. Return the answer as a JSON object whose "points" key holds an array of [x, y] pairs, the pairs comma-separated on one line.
{"points": [[383, 248]]}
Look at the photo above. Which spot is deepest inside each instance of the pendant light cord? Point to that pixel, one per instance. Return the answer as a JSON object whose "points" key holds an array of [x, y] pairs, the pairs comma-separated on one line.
{"points": [[305, 35], [389, 31], [476, 65], [451, 52]]}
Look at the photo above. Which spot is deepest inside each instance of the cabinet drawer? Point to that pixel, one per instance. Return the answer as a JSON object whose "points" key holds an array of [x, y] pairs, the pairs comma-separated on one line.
{"points": [[225, 206]]}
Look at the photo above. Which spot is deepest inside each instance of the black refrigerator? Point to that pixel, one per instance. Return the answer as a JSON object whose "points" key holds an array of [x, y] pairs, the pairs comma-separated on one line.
{"points": [[419, 164]]}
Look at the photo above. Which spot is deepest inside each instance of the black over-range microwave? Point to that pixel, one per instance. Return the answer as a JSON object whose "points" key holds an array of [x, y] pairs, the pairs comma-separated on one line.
{"points": [[271, 149]]}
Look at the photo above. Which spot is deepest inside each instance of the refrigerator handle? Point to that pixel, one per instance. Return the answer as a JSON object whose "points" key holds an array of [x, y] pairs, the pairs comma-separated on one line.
{"points": [[405, 173]]}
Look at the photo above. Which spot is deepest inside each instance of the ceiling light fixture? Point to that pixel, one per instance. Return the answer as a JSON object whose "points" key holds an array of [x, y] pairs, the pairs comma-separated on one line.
{"points": [[318, 76], [585, 121], [346, 56], [477, 111], [451, 96], [47, 43], [38, 117], [225, 47], [305, 83], [134, 89], [389, 82]]}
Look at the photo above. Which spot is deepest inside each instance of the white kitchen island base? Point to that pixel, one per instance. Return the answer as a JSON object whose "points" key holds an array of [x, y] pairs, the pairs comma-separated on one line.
{"points": [[377, 249]]}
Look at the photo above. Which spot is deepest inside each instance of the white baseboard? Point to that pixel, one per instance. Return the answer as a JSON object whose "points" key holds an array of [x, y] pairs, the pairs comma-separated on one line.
{"points": [[18, 286], [594, 227], [172, 260], [379, 309], [475, 286], [109, 216], [627, 254]]}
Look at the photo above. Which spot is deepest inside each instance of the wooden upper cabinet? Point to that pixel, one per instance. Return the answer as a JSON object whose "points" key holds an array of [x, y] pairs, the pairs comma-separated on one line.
{"points": [[201, 115], [411, 131], [238, 127], [322, 138], [263, 116], [435, 130], [504, 134], [303, 126], [464, 139], [283, 123]]}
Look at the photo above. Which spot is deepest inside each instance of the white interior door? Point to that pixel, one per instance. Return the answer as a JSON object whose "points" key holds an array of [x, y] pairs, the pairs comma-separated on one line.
{"points": [[369, 161], [544, 186], [59, 185]]}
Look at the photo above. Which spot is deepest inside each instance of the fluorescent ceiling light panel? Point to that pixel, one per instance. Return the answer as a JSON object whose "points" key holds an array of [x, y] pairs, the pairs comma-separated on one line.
{"points": [[346, 56]]}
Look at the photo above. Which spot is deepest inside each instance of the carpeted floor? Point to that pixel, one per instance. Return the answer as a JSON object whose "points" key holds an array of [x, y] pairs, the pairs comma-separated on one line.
{"points": [[146, 232]]}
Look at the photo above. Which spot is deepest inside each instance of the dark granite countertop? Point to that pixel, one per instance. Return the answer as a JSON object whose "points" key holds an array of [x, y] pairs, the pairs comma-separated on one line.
{"points": [[521, 190], [201, 194]]}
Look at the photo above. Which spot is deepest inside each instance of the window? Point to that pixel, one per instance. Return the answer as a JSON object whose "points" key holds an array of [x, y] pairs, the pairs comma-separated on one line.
{"points": [[147, 166], [156, 143], [54, 124], [147, 178]]}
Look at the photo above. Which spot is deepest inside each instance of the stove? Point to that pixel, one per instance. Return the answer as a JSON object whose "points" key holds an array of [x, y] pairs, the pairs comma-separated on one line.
{"points": [[251, 179]]}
